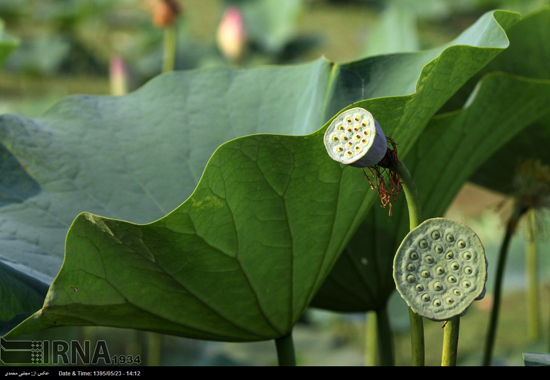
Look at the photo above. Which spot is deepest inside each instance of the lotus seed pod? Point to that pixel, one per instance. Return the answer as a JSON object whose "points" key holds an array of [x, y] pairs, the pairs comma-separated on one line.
{"points": [[449, 269], [355, 138]]}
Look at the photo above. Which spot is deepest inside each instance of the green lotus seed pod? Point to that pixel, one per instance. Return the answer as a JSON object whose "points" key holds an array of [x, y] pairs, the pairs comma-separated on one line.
{"points": [[445, 285], [355, 138]]}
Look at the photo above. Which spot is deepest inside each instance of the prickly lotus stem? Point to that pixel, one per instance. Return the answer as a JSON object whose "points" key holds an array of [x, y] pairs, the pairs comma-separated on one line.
{"points": [[355, 138], [440, 269]]}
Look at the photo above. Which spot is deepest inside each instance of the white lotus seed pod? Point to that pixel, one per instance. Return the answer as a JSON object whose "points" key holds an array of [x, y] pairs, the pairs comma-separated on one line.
{"points": [[355, 138]]}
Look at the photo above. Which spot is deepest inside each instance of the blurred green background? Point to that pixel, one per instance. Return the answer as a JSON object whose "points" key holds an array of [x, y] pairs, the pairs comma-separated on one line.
{"points": [[73, 46]]}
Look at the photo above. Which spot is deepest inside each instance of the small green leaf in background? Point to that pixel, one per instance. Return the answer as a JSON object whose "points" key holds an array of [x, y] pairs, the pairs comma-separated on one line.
{"points": [[535, 359], [7, 44], [396, 30]]}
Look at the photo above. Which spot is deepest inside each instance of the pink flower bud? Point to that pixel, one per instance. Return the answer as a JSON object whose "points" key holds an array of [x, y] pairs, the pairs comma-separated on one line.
{"points": [[232, 34], [118, 76]]}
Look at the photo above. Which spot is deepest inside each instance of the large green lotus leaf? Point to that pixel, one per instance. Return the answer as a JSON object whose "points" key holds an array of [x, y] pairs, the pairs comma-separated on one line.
{"points": [[528, 56], [134, 157], [138, 156], [449, 150]]}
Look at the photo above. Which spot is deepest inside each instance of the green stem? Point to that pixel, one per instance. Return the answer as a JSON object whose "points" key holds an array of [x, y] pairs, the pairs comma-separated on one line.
{"points": [[371, 339], [490, 338], [170, 47], [411, 193], [413, 204], [285, 350], [450, 342], [532, 278], [154, 348], [385, 337]]}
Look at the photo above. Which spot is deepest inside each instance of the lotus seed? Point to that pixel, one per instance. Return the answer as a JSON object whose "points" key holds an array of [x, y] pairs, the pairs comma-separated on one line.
{"points": [[450, 238], [468, 270], [425, 297], [429, 259], [466, 284], [438, 286], [461, 244], [440, 270], [348, 119], [455, 265], [413, 256], [411, 278], [438, 249], [449, 255], [467, 255], [423, 244], [457, 292], [449, 300], [411, 267], [425, 274], [340, 127], [419, 287], [437, 302], [451, 279], [436, 235]]}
